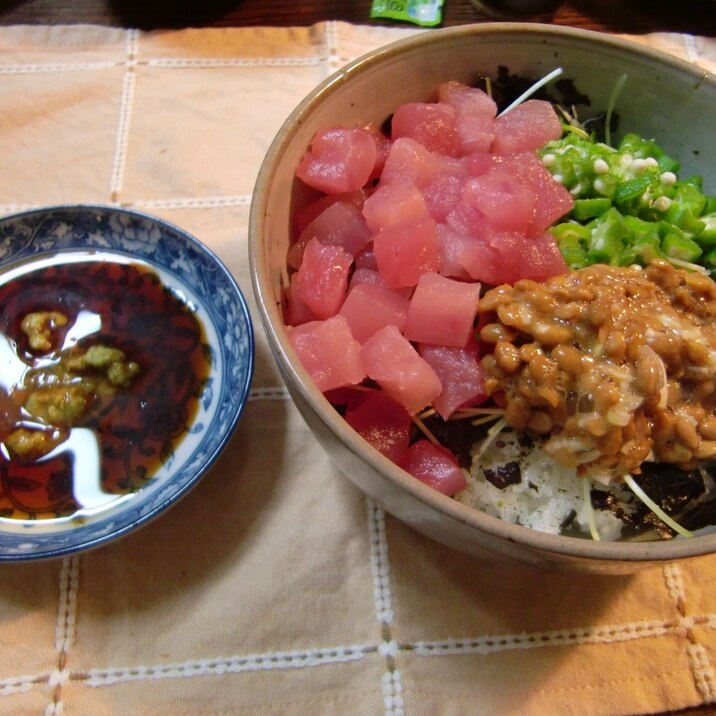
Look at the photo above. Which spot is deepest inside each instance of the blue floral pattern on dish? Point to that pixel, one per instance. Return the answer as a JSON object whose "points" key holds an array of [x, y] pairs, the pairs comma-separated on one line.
{"points": [[222, 307]]}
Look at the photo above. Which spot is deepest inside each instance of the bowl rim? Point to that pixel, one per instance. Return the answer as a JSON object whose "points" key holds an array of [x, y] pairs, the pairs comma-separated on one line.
{"points": [[564, 546], [173, 497]]}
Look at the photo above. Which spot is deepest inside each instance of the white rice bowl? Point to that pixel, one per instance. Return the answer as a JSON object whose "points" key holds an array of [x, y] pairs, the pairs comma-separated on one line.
{"points": [[548, 497]]}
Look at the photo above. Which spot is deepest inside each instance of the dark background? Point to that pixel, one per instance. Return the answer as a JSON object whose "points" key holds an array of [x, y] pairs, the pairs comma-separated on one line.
{"points": [[628, 16]]}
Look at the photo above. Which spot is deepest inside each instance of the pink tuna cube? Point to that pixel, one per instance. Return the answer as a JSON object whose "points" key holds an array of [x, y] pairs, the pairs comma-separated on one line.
{"points": [[436, 466], [322, 280], [517, 256], [498, 195], [383, 422], [364, 275], [441, 193], [477, 163], [505, 201], [467, 99], [306, 214], [450, 244], [394, 203], [392, 362], [554, 201], [466, 256], [382, 144], [475, 116], [461, 376], [328, 352], [528, 126], [475, 135], [409, 161], [339, 160], [406, 251], [340, 224], [433, 124], [442, 311], [366, 259], [296, 310], [465, 217], [369, 307]]}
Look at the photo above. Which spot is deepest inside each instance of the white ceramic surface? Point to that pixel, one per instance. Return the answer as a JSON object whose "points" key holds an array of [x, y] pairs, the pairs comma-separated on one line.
{"points": [[666, 99]]}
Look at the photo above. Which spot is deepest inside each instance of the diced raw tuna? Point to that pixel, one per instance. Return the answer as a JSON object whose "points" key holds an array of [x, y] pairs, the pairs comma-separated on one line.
{"points": [[461, 376], [406, 251], [410, 161], [450, 246], [477, 163], [474, 137], [372, 276], [369, 307], [475, 116], [340, 224], [366, 259], [528, 126], [339, 160], [495, 256], [442, 311], [364, 275], [394, 203], [479, 259], [297, 311], [541, 257], [433, 124], [306, 214], [347, 397], [465, 218], [383, 422], [441, 194], [436, 466], [322, 280], [468, 99], [553, 200], [392, 362], [382, 145], [329, 352], [517, 256], [502, 198]]}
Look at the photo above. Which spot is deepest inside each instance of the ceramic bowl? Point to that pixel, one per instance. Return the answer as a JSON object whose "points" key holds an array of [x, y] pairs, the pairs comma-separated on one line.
{"points": [[195, 275], [667, 99]]}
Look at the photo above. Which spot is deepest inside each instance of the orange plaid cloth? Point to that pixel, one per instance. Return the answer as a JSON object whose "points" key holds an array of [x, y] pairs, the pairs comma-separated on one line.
{"points": [[275, 587]]}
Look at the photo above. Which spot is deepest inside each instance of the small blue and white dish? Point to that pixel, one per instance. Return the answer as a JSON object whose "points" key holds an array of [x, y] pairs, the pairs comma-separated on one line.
{"points": [[36, 247]]}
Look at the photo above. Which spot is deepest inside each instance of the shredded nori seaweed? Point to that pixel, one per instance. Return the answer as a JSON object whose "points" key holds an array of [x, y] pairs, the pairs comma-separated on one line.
{"points": [[507, 87], [568, 520], [459, 436], [504, 475], [677, 492]]}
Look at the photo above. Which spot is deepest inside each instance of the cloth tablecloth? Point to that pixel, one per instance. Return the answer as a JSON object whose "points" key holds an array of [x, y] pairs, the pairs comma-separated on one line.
{"points": [[275, 587]]}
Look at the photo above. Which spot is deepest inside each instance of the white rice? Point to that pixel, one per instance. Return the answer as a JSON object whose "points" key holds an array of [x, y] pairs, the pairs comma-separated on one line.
{"points": [[547, 496]]}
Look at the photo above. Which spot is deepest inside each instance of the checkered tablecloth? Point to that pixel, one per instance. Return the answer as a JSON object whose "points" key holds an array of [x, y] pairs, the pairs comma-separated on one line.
{"points": [[275, 587]]}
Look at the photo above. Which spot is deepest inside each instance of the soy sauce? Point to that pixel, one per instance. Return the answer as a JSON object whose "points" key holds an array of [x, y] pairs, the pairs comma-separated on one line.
{"points": [[134, 431]]}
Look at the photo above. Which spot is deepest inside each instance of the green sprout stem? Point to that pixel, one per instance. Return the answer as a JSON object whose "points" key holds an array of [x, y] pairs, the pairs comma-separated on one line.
{"points": [[529, 92]]}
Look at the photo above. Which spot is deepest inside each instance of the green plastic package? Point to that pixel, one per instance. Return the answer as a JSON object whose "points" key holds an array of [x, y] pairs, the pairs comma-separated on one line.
{"points": [[425, 13]]}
